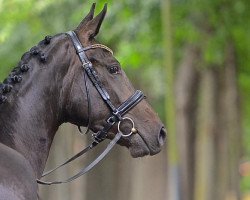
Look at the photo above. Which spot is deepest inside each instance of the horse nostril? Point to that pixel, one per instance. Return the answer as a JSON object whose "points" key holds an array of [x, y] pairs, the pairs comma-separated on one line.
{"points": [[162, 136]]}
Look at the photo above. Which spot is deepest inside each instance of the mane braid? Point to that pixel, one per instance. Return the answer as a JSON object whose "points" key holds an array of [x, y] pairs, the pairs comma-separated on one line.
{"points": [[15, 75]]}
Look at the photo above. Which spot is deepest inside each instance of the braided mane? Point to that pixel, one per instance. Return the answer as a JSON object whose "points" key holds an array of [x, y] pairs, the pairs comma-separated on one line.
{"points": [[16, 75], [23, 67]]}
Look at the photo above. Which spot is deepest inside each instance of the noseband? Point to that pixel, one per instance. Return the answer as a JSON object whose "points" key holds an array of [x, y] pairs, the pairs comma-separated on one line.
{"points": [[116, 115]]}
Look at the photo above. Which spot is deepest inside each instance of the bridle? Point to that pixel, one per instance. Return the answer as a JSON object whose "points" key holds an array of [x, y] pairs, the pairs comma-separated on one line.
{"points": [[116, 115]]}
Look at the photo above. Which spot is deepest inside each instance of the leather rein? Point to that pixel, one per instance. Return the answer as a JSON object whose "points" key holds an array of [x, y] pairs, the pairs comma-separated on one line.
{"points": [[116, 115]]}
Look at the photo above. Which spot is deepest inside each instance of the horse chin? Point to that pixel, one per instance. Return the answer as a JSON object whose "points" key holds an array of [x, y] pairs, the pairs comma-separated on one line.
{"points": [[138, 148], [138, 152]]}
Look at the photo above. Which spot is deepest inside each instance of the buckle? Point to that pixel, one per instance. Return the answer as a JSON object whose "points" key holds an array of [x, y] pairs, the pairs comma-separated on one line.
{"points": [[99, 136], [86, 63], [111, 120], [117, 114]]}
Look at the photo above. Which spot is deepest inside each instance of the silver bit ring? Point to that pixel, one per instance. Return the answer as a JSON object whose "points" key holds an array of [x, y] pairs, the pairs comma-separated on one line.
{"points": [[133, 129]]}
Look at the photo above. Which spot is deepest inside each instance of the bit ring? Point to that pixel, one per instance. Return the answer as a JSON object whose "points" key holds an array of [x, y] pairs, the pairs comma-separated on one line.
{"points": [[133, 129]]}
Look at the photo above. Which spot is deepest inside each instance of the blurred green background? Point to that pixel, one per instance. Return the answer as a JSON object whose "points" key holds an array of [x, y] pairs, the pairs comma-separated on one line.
{"points": [[192, 59]]}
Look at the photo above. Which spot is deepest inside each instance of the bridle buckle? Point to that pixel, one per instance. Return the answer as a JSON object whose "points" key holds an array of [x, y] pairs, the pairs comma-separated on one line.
{"points": [[111, 120], [117, 114], [86, 63]]}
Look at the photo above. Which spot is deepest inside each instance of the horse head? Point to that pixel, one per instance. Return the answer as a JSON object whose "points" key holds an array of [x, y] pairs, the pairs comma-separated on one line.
{"points": [[80, 95]]}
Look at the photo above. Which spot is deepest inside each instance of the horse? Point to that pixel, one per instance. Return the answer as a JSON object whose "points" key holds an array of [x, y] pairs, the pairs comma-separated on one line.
{"points": [[49, 87]]}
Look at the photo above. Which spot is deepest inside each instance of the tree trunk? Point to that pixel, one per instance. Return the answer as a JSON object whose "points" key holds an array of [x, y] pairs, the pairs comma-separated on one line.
{"points": [[173, 174], [206, 127], [218, 138], [186, 93], [228, 135]]}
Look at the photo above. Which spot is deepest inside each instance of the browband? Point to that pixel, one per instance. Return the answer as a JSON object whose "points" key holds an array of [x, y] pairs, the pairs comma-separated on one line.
{"points": [[94, 46]]}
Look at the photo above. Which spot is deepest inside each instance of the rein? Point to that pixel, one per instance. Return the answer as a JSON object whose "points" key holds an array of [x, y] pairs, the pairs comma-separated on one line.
{"points": [[115, 117]]}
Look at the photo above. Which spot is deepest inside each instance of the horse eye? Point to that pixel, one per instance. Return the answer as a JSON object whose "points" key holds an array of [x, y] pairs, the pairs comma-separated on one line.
{"points": [[113, 70]]}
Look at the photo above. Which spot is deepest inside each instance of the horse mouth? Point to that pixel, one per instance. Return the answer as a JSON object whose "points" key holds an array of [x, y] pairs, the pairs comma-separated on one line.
{"points": [[139, 147]]}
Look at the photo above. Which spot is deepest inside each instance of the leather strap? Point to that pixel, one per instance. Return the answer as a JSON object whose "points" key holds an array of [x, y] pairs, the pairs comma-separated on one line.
{"points": [[85, 150], [89, 167]]}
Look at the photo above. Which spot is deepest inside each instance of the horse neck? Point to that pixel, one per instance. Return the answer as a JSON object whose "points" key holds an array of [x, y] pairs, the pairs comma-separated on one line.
{"points": [[31, 117]]}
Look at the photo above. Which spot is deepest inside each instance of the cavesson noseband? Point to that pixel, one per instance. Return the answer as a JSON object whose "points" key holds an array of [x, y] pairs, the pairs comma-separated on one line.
{"points": [[115, 117]]}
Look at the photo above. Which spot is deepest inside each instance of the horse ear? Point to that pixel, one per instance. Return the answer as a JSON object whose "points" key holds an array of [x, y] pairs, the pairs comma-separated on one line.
{"points": [[94, 25], [88, 18]]}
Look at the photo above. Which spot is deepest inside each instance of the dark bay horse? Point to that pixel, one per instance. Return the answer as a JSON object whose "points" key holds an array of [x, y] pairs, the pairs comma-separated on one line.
{"points": [[48, 88]]}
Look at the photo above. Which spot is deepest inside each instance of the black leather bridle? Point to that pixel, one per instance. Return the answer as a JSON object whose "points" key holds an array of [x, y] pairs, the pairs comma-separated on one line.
{"points": [[115, 117]]}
